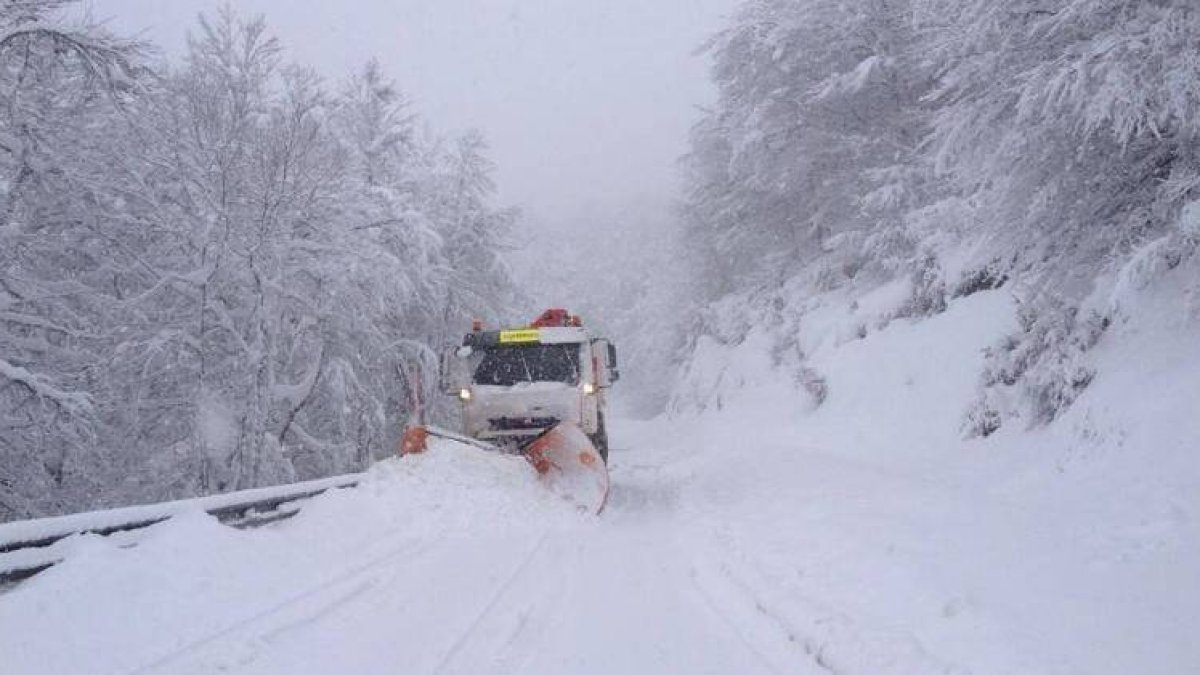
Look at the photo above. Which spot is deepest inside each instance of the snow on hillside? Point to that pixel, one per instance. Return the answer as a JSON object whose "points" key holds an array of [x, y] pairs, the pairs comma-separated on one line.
{"points": [[1070, 548]]}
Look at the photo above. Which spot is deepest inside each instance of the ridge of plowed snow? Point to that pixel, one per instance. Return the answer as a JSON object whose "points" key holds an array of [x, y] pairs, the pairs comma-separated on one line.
{"points": [[189, 580]]}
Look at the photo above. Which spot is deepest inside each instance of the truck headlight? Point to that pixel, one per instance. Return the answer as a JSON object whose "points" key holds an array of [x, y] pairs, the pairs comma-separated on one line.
{"points": [[464, 394], [589, 388]]}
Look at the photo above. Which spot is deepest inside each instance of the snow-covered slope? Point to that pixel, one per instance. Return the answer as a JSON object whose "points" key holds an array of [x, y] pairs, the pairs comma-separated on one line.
{"points": [[1070, 548]]}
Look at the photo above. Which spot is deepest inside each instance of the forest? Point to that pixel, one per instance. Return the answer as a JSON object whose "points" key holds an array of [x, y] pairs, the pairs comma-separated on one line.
{"points": [[1045, 146], [219, 275]]}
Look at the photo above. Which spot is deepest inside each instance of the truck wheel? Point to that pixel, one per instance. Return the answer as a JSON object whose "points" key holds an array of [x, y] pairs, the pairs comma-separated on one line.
{"points": [[600, 438]]}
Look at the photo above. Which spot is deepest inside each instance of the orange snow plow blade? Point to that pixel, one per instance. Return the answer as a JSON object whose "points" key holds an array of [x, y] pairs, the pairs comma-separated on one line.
{"points": [[568, 464], [566, 461], [415, 441]]}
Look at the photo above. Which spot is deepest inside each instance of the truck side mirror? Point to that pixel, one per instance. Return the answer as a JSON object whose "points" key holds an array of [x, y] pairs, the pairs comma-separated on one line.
{"points": [[613, 373], [599, 350], [453, 368]]}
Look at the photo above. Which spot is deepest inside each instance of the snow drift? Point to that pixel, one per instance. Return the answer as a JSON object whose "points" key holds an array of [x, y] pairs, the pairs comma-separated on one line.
{"points": [[191, 579]]}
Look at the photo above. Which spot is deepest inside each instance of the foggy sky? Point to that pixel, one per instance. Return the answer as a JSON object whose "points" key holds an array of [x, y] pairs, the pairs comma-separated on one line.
{"points": [[584, 102]]}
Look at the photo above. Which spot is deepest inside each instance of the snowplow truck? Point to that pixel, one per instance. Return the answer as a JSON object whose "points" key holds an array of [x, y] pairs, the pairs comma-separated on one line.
{"points": [[538, 390], [515, 384]]}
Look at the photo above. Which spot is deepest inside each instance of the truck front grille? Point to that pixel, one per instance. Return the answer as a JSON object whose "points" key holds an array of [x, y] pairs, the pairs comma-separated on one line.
{"points": [[518, 423]]}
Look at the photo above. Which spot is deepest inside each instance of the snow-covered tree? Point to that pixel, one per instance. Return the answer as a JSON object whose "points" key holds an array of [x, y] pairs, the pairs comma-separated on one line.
{"points": [[809, 158], [1073, 124], [1045, 145], [221, 275], [474, 232], [59, 80]]}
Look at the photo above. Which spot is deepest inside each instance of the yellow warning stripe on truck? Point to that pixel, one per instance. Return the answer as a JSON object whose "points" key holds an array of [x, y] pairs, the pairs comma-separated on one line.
{"points": [[524, 335]]}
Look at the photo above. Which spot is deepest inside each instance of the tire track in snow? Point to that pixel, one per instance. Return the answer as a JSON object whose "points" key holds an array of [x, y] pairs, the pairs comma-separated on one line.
{"points": [[292, 602], [501, 591], [511, 635], [738, 615], [832, 641]]}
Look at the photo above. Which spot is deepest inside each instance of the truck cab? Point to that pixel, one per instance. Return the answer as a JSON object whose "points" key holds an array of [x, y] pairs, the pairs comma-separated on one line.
{"points": [[513, 384]]}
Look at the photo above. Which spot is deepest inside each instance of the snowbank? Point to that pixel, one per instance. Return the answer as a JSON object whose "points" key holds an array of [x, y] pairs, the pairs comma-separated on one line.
{"points": [[190, 580]]}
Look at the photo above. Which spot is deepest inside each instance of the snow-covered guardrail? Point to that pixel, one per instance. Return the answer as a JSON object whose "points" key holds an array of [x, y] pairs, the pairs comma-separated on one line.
{"points": [[31, 546]]}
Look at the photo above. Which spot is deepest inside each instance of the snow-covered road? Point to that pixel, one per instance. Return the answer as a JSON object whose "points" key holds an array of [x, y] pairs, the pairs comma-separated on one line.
{"points": [[764, 558], [589, 598], [445, 589]]}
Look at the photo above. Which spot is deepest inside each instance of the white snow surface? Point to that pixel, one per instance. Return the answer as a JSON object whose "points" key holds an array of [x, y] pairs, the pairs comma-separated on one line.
{"points": [[863, 536]]}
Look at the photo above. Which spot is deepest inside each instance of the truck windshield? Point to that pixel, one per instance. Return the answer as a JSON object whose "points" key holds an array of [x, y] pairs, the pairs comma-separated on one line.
{"points": [[507, 366]]}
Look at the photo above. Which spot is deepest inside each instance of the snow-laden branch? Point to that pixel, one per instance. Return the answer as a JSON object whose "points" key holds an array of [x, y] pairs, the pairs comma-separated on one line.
{"points": [[102, 58], [74, 403]]}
